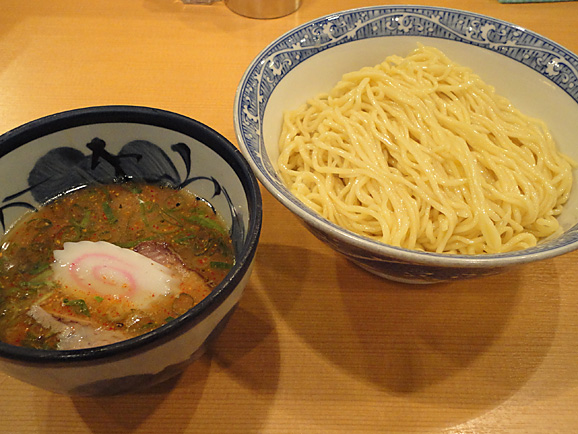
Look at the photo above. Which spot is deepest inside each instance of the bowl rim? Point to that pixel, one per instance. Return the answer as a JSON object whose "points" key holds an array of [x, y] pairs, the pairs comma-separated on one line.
{"points": [[381, 251], [164, 119]]}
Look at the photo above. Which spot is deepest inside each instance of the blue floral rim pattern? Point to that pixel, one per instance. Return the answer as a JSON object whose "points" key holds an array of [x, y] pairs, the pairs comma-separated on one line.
{"points": [[552, 61]]}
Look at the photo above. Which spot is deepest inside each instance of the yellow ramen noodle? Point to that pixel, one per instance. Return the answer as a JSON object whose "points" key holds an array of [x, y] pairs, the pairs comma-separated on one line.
{"points": [[419, 152]]}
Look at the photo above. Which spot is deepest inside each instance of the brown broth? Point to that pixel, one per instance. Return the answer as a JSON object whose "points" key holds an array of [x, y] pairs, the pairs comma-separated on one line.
{"points": [[122, 214]]}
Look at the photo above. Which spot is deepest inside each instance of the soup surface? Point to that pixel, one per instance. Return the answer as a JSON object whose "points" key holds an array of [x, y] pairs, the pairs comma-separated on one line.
{"points": [[106, 263]]}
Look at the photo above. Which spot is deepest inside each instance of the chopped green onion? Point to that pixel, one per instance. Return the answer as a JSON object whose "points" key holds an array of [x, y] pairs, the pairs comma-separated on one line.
{"points": [[108, 212], [39, 268], [134, 188], [206, 222], [71, 232], [184, 239], [85, 219], [221, 265], [79, 306], [167, 212]]}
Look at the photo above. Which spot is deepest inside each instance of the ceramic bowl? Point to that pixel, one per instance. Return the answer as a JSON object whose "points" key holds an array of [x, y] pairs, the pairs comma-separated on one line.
{"points": [[536, 74], [52, 155]]}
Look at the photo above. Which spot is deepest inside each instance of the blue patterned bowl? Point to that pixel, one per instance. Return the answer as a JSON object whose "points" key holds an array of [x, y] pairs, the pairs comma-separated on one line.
{"points": [[52, 155], [538, 75]]}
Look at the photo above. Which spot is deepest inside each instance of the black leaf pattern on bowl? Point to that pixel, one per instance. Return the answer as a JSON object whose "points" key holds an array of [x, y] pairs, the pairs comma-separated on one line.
{"points": [[13, 205], [64, 169]]}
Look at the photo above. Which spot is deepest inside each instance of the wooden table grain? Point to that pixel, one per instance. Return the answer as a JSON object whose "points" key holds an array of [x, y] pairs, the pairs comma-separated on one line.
{"points": [[317, 345]]}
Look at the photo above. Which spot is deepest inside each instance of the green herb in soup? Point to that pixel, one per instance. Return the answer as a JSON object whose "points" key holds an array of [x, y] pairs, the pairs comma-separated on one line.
{"points": [[107, 263]]}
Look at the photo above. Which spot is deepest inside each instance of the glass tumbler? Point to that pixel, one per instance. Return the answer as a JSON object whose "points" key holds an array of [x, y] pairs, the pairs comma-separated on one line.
{"points": [[264, 9]]}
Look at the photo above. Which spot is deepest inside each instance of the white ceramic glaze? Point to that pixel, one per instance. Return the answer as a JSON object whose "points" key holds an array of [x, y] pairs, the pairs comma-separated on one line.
{"points": [[536, 74]]}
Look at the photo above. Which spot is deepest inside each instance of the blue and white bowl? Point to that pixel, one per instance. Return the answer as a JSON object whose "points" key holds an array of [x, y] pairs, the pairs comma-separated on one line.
{"points": [[55, 154], [536, 74]]}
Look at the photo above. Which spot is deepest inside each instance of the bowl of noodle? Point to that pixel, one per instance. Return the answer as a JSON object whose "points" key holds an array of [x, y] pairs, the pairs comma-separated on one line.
{"points": [[425, 144], [128, 238]]}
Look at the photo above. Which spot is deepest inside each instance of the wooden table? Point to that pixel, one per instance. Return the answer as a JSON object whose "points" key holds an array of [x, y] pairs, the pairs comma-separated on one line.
{"points": [[317, 345]]}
